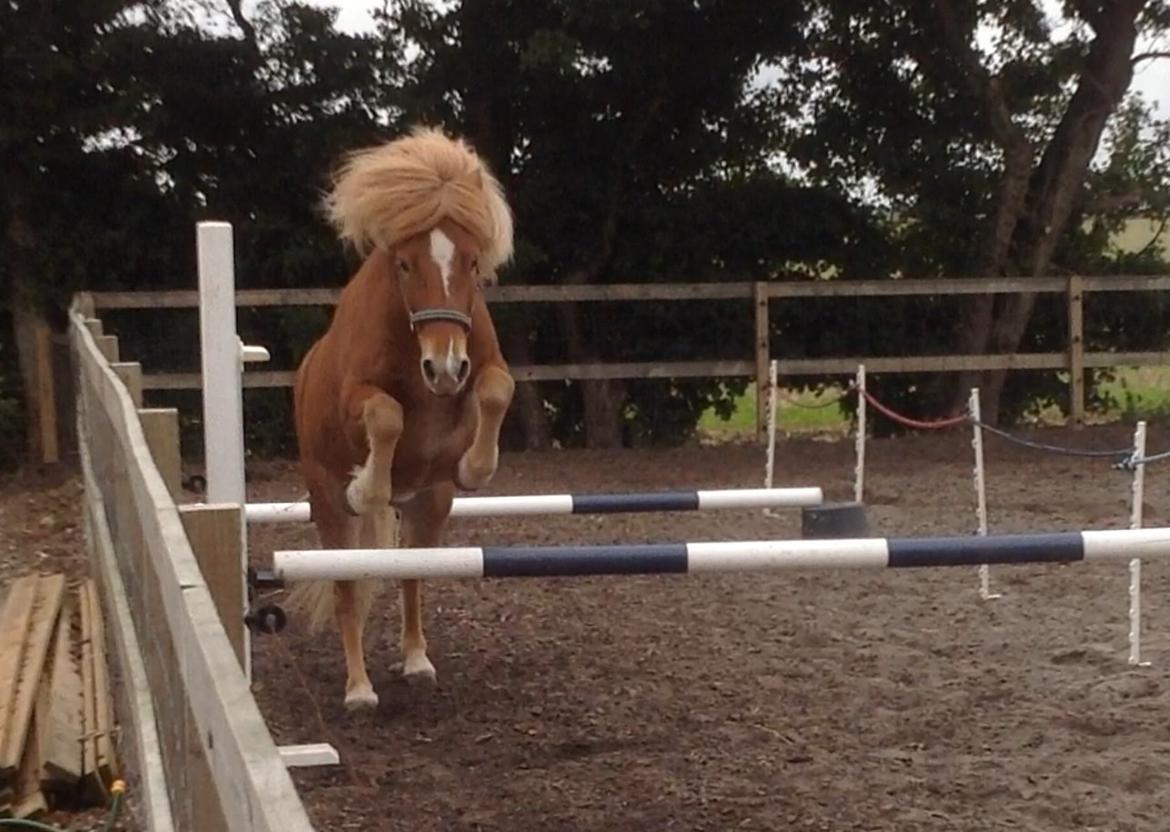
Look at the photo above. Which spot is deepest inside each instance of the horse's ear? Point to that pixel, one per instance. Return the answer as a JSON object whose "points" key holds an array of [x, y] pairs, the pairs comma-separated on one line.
{"points": [[487, 277]]}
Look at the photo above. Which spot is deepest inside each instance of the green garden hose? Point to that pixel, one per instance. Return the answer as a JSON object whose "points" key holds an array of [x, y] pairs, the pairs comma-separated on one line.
{"points": [[117, 789]]}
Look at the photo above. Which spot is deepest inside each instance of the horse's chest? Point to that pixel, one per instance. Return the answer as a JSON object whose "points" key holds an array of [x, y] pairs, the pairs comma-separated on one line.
{"points": [[432, 442]]}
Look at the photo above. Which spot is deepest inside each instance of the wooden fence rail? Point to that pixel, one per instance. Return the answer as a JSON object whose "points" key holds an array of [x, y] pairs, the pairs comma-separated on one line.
{"points": [[764, 296], [200, 754]]}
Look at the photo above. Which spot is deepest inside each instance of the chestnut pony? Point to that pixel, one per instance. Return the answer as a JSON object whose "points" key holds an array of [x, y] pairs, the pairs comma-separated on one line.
{"points": [[400, 402]]}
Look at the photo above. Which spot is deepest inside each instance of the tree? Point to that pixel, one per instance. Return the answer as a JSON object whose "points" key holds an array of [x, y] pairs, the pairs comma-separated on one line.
{"points": [[127, 122], [633, 145], [57, 105], [988, 147]]}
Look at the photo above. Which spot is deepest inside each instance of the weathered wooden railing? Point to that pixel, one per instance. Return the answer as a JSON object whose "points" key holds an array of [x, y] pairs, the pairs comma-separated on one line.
{"points": [[764, 296], [199, 755]]}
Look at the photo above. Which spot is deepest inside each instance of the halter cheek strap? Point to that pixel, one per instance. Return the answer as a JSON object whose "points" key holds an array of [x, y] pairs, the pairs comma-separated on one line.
{"points": [[426, 315]]}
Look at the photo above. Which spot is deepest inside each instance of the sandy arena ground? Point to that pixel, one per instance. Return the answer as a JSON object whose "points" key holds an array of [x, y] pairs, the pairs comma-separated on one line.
{"points": [[827, 700], [832, 700]]}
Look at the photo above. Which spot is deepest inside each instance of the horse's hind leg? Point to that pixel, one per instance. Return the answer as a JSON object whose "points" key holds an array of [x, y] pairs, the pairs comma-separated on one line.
{"points": [[423, 519], [352, 601]]}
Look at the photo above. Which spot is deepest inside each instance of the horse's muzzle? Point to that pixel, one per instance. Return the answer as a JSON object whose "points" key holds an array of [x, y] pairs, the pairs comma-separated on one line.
{"points": [[447, 375]]}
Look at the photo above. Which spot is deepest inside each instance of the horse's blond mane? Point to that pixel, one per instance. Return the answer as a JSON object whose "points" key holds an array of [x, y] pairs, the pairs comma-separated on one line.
{"points": [[385, 194]]}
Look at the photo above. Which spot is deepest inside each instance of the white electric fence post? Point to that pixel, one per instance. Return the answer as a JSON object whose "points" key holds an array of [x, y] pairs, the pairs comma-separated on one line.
{"points": [[770, 463], [980, 488], [1137, 492], [859, 443]]}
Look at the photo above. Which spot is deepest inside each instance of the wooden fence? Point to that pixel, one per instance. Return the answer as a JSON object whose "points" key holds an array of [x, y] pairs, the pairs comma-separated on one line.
{"points": [[764, 297], [198, 754]]}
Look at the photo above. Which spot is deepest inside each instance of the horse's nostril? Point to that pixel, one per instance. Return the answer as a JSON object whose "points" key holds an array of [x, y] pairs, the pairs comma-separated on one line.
{"points": [[428, 368], [464, 369]]}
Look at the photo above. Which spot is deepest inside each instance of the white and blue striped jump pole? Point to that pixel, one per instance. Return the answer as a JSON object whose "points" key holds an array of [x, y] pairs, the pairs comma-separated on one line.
{"points": [[536, 504], [749, 556]]}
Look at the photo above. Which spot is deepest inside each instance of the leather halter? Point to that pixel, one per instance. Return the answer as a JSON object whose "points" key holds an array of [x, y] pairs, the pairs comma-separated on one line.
{"points": [[453, 315]]}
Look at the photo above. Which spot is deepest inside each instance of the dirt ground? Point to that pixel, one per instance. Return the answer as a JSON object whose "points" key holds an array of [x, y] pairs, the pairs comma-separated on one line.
{"points": [[821, 700], [829, 700]]}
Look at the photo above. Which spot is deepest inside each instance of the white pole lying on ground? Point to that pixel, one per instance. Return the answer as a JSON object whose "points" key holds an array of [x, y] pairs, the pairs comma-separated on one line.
{"points": [[980, 489], [859, 442], [1137, 499], [538, 504]]}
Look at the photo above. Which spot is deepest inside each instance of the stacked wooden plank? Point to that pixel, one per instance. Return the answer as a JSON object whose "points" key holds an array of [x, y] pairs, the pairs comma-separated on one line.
{"points": [[56, 717]]}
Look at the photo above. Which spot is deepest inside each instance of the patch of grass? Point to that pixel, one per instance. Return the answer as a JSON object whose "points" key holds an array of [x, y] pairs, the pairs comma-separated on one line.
{"points": [[798, 412], [1141, 393]]}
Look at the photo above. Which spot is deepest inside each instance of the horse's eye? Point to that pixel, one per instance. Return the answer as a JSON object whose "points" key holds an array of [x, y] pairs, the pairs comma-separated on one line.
{"points": [[475, 265], [403, 267]]}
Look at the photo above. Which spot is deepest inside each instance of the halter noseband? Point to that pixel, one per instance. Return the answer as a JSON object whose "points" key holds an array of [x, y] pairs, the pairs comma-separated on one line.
{"points": [[426, 315]]}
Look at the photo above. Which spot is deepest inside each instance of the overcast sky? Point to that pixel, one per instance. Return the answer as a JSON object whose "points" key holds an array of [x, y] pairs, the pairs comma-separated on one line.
{"points": [[1152, 78]]}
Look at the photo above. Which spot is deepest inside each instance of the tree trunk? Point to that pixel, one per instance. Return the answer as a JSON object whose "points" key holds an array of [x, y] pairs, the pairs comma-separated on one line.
{"points": [[604, 399], [27, 324], [528, 405], [1030, 222]]}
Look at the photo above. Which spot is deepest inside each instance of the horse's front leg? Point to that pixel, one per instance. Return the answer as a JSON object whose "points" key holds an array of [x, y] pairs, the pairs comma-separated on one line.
{"points": [[374, 419], [491, 397]]}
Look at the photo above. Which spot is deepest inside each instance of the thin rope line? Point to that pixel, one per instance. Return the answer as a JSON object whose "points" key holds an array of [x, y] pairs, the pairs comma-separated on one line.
{"points": [[1120, 454], [939, 424], [1133, 462]]}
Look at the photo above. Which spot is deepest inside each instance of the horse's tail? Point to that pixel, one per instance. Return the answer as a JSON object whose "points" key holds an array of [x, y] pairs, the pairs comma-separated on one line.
{"points": [[384, 194], [318, 601]]}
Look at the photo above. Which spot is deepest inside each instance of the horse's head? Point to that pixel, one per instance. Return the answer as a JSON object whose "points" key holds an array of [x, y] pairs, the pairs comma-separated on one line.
{"points": [[439, 274]]}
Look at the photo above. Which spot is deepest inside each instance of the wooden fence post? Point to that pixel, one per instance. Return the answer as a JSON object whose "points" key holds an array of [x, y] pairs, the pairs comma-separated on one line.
{"points": [[1075, 295], [161, 428], [763, 355], [216, 536], [130, 374]]}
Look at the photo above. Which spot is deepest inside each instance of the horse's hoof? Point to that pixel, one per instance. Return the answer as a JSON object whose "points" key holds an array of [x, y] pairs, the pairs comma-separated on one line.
{"points": [[419, 672], [361, 699]]}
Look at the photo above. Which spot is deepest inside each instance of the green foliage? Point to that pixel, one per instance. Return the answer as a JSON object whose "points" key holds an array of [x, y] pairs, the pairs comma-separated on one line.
{"points": [[662, 141]]}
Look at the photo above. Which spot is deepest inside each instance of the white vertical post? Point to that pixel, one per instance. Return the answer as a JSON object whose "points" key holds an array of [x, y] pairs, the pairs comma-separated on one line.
{"points": [[770, 462], [980, 488], [1137, 498], [859, 442], [223, 391]]}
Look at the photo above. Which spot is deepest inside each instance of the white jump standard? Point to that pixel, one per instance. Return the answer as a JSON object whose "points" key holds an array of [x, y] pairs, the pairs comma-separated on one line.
{"points": [[748, 556], [534, 504]]}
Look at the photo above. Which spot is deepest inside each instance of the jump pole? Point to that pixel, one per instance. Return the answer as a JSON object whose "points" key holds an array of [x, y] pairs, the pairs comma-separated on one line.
{"points": [[1137, 498], [542, 504], [223, 398], [222, 356], [748, 556]]}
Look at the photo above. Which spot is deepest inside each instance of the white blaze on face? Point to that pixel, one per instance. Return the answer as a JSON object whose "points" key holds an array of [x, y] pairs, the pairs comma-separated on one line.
{"points": [[443, 253]]}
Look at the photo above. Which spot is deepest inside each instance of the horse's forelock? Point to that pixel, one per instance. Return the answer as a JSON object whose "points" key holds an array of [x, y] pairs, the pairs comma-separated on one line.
{"points": [[385, 194]]}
